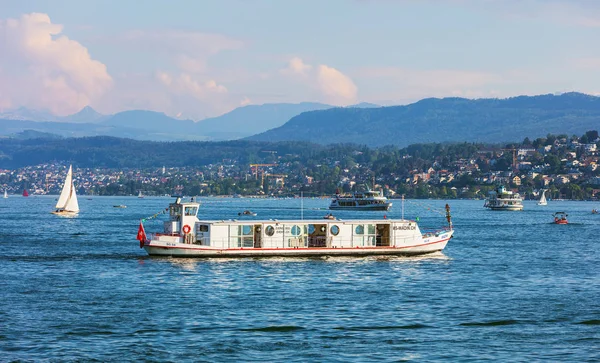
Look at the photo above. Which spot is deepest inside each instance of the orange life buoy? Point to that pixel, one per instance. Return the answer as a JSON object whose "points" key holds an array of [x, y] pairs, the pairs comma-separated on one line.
{"points": [[186, 229]]}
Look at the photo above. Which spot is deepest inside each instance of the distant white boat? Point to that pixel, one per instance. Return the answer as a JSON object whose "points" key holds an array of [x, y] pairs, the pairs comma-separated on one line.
{"points": [[67, 202], [369, 200], [543, 198], [140, 195], [503, 199], [5, 194]]}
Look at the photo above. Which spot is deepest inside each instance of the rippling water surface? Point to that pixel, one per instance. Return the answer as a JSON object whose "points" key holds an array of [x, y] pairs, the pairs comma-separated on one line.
{"points": [[510, 286]]}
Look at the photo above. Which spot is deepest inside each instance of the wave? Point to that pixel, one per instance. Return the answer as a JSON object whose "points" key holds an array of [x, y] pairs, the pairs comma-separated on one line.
{"points": [[280, 328], [491, 323], [383, 327], [590, 322]]}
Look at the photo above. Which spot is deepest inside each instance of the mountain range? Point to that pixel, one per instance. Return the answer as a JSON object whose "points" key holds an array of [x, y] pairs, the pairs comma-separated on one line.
{"points": [[445, 120], [156, 126], [428, 120]]}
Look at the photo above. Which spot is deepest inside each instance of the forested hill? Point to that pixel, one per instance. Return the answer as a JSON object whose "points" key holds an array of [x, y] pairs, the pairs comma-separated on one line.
{"points": [[444, 120], [112, 152]]}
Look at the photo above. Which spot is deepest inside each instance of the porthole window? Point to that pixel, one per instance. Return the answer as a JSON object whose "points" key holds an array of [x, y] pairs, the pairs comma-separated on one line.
{"points": [[360, 229], [269, 231], [246, 230], [335, 230], [296, 230]]}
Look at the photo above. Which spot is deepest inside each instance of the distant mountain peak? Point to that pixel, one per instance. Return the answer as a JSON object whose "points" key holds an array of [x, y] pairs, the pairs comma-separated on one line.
{"points": [[86, 114]]}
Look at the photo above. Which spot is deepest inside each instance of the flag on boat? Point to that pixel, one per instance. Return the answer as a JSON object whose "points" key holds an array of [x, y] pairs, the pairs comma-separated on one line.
{"points": [[141, 236]]}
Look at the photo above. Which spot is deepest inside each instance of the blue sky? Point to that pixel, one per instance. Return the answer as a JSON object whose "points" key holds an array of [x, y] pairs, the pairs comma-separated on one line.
{"points": [[194, 59]]}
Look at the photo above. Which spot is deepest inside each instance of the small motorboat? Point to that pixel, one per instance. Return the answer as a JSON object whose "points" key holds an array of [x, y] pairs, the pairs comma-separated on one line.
{"points": [[594, 211], [560, 218], [329, 216], [119, 206], [247, 213]]}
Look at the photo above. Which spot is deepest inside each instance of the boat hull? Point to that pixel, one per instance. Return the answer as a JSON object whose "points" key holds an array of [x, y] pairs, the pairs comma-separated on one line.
{"points": [[428, 245], [507, 208], [384, 207], [65, 213]]}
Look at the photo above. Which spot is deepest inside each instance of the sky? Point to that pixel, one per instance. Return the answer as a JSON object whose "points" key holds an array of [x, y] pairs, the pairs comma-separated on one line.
{"points": [[199, 58]]}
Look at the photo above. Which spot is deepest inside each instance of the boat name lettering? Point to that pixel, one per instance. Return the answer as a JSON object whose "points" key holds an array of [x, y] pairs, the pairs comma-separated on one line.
{"points": [[280, 229], [171, 244], [404, 228]]}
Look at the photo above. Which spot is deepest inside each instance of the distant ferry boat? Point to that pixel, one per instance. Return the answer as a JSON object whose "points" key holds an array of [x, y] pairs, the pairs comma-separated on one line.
{"points": [[369, 200], [502, 199], [184, 235]]}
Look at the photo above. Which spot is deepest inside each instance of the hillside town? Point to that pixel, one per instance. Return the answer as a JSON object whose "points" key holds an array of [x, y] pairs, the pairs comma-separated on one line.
{"points": [[567, 167]]}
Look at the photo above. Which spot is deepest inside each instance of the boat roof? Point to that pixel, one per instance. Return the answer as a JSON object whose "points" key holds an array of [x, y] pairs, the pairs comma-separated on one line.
{"points": [[307, 221]]}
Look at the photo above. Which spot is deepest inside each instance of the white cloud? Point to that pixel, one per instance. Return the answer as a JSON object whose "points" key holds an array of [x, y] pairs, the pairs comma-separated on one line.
{"points": [[245, 101], [186, 84], [187, 49], [334, 86], [44, 69], [297, 66], [338, 87]]}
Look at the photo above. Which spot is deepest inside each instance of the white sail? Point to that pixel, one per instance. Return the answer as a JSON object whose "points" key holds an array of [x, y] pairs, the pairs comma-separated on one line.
{"points": [[68, 198], [543, 198], [5, 194]]}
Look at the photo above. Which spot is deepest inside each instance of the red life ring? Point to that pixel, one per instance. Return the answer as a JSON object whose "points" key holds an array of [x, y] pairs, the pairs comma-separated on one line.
{"points": [[186, 229]]}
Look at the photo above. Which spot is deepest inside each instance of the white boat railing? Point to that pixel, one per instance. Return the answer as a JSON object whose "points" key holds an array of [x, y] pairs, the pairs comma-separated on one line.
{"points": [[315, 242]]}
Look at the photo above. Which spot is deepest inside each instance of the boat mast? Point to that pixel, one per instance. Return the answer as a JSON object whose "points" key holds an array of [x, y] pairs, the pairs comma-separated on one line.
{"points": [[301, 205], [402, 206]]}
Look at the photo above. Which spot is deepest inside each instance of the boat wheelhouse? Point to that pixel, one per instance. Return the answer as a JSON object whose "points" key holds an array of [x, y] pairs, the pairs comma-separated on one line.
{"points": [[185, 235], [369, 200], [502, 199]]}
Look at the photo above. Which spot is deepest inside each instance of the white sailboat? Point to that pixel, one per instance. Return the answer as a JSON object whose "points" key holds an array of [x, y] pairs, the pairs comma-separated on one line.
{"points": [[5, 194], [140, 195], [542, 200], [67, 202]]}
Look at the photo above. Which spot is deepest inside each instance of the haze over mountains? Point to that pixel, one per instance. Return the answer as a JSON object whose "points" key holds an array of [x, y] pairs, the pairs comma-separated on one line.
{"points": [[429, 120]]}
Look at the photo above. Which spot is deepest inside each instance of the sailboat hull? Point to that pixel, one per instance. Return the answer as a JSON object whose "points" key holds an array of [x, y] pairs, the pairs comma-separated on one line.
{"points": [[64, 213]]}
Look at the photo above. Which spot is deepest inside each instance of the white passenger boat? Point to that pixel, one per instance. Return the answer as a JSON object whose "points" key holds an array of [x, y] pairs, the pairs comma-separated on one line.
{"points": [[185, 235], [502, 199], [369, 200]]}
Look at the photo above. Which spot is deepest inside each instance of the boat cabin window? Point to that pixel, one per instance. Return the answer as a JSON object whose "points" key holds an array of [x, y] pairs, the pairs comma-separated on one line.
{"points": [[335, 230], [360, 229], [191, 211], [269, 231], [175, 211], [203, 228], [296, 231], [244, 234]]}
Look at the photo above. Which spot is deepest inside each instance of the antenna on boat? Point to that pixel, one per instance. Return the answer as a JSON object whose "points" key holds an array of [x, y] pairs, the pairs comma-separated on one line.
{"points": [[448, 216], [301, 205], [402, 206]]}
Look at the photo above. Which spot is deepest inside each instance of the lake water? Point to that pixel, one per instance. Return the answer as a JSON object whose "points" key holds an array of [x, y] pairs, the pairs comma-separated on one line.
{"points": [[510, 286]]}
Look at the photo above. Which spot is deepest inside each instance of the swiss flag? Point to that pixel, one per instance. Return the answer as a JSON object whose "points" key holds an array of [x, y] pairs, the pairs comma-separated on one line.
{"points": [[141, 236]]}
